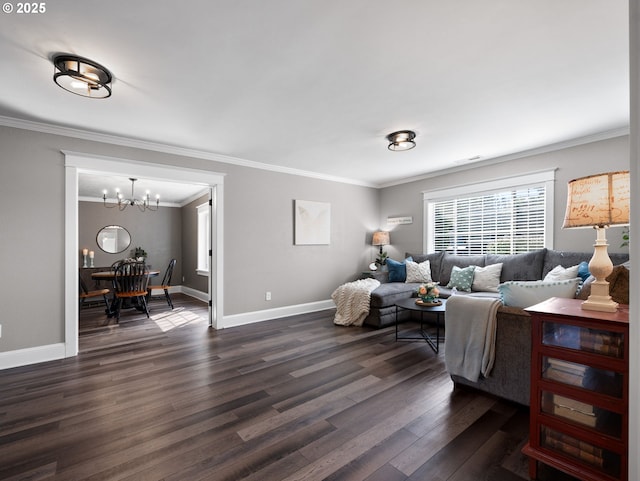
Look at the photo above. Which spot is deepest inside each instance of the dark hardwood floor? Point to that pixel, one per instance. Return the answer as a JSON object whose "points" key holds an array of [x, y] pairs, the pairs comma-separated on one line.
{"points": [[290, 399]]}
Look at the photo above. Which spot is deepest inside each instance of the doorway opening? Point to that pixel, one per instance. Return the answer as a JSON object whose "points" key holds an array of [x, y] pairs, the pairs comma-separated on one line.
{"points": [[76, 163]]}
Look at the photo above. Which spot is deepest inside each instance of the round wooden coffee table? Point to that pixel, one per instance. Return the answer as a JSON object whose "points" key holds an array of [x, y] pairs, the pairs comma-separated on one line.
{"points": [[438, 311]]}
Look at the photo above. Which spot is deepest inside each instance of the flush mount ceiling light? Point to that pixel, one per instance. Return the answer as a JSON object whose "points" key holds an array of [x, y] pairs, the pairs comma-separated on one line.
{"points": [[82, 76], [401, 140]]}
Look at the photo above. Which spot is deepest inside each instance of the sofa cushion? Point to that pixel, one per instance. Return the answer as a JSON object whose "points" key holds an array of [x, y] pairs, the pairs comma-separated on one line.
{"points": [[527, 293], [434, 259], [461, 278], [389, 293], [618, 285], [519, 267], [397, 270], [559, 273], [486, 279], [450, 260], [418, 272], [564, 259], [583, 270]]}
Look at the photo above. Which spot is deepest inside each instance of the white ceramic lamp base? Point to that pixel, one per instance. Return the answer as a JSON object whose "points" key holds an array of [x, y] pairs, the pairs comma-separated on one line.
{"points": [[600, 267]]}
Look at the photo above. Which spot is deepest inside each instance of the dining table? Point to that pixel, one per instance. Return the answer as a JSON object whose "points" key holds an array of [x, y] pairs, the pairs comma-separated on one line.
{"points": [[110, 276]]}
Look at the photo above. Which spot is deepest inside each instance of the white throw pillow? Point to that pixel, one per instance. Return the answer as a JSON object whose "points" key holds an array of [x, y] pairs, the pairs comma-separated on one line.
{"points": [[418, 272], [528, 293], [559, 273], [487, 278]]}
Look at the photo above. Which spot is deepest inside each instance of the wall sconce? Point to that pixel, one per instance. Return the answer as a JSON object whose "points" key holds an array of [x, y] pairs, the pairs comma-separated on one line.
{"points": [[82, 76], [599, 201], [401, 140]]}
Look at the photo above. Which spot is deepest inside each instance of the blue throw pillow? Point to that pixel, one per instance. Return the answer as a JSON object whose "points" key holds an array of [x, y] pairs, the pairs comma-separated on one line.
{"points": [[397, 270], [583, 271]]}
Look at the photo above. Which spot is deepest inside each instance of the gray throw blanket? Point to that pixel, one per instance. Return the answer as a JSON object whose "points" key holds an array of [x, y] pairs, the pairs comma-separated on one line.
{"points": [[352, 301], [470, 326]]}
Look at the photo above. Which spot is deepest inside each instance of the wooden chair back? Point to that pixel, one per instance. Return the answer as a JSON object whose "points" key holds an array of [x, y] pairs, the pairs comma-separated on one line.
{"points": [[131, 279]]}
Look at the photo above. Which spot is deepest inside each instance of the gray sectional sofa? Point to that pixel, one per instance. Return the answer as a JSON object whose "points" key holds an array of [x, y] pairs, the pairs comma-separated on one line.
{"points": [[510, 375]]}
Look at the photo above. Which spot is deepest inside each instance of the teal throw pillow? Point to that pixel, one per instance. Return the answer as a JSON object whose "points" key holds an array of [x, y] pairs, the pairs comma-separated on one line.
{"points": [[461, 278], [397, 270]]}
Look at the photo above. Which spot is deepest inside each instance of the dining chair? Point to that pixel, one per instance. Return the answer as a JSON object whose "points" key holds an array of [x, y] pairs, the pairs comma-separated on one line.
{"points": [[115, 265], [85, 294], [130, 282], [165, 284]]}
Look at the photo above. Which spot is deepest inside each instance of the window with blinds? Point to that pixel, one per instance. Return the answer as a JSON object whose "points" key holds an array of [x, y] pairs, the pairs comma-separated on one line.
{"points": [[509, 221]]}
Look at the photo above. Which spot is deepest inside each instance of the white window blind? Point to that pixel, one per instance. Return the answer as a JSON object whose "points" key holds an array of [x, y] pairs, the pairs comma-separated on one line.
{"points": [[509, 220]]}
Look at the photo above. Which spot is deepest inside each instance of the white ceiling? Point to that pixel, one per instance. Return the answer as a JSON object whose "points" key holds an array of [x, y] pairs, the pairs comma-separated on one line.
{"points": [[317, 85]]}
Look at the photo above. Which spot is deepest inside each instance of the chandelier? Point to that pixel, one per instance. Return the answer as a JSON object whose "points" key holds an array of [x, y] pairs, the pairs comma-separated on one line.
{"points": [[143, 204]]}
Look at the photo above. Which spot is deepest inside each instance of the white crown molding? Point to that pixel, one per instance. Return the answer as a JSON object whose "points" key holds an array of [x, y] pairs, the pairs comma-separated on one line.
{"points": [[194, 197], [609, 134], [168, 149], [199, 154]]}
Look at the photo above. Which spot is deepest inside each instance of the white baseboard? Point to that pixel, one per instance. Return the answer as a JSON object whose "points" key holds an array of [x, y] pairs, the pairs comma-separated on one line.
{"points": [[52, 352], [31, 355], [235, 320], [202, 296]]}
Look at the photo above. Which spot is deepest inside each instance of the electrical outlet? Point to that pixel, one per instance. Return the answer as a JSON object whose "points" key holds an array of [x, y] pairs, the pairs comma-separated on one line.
{"points": [[267, 296]]}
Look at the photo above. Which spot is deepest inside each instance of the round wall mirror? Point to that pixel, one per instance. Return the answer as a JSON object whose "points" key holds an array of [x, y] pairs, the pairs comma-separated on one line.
{"points": [[113, 239]]}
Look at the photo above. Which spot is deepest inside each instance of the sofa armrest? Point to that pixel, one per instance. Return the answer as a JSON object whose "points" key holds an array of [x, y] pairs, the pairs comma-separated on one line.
{"points": [[511, 373]]}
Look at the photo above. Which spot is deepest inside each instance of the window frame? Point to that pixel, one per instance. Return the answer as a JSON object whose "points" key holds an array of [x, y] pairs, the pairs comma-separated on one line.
{"points": [[543, 178], [203, 215]]}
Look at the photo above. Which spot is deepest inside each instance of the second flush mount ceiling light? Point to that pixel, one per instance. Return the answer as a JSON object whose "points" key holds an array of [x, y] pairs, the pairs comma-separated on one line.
{"points": [[401, 140]]}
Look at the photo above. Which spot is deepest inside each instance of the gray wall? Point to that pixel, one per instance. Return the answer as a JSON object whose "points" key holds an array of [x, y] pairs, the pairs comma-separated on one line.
{"points": [[259, 253], [258, 233], [158, 233], [602, 156]]}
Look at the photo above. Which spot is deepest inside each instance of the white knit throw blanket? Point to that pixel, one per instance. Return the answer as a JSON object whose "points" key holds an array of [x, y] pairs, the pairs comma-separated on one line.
{"points": [[352, 300]]}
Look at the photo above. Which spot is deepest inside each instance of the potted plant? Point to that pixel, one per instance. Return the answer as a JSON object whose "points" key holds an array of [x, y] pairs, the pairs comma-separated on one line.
{"points": [[625, 237], [140, 254]]}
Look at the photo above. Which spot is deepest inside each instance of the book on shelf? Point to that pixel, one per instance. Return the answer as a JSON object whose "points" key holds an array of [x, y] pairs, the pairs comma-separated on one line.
{"points": [[574, 447], [565, 372], [573, 410], [564, 376], [602, 342], [568, 366]]}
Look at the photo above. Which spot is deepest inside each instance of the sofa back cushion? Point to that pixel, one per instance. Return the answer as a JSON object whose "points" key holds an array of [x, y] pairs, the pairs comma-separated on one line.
{"points": [[519, 267], [569, 259], [450, 260]]}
